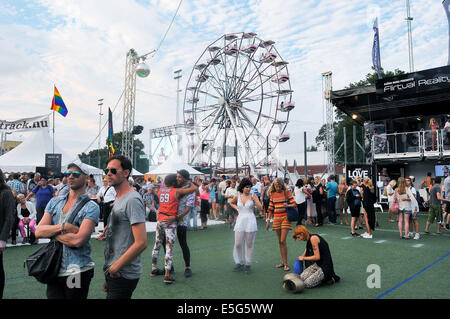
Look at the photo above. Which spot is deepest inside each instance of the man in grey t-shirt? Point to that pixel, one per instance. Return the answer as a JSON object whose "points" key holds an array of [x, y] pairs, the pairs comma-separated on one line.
{"points": [[447, 196], [435, 210], [125, 234]]}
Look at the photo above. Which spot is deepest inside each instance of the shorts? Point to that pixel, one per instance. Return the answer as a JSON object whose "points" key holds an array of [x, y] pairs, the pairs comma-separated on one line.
{"points": [[415, 215], [405, 211], [355, 212], [281, 222], [434, 212], [342, 203], [447, 207], [231, 212]]}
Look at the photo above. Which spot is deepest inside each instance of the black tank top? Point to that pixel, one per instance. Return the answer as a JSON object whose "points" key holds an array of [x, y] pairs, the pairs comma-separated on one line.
{"points": [[325, 262], [25, 212]]}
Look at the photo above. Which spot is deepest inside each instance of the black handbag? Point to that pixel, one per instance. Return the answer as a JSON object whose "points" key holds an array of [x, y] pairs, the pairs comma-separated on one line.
{"points": [[44, 263], [292, 212]]}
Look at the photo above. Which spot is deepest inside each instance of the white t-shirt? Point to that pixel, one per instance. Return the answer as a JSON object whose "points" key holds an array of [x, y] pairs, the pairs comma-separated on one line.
{"points": [[389, 190], [299, 196], [230, 191], [447, 126], [110, 195], [221, 187]]}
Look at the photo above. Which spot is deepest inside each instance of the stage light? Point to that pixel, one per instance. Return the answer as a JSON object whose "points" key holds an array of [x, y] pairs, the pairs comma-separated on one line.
{"points": [[142, 70], [354, 116]]}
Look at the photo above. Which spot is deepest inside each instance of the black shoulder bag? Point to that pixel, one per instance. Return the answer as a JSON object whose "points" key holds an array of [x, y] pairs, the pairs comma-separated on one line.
{"points": [[44, 264]]}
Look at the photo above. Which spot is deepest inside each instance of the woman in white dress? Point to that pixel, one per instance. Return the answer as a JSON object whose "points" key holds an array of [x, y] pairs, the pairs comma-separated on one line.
{"points": [[245, 228]]}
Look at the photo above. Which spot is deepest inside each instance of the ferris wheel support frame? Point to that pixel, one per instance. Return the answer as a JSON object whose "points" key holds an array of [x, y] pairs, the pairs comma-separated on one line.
{"points": [[199, 146], [242, 141]]}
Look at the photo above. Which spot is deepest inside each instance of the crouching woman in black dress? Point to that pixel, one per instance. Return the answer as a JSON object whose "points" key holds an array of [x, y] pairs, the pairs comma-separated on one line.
{"points": [[317, 256]]}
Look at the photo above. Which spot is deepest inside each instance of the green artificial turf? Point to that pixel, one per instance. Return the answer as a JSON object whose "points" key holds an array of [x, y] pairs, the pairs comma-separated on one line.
{"points": [[408, 268]]}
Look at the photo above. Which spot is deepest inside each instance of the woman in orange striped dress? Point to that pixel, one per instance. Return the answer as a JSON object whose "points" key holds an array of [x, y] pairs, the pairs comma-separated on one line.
{"points": [[280, 198]]}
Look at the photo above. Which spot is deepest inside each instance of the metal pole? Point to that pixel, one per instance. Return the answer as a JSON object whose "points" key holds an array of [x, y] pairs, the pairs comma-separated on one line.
{"points": [[410, 44], [177, 115], [267, 155], [306, 156], [354, 144], [99, 130], [345, 147], [53, 132], [236, 155]]}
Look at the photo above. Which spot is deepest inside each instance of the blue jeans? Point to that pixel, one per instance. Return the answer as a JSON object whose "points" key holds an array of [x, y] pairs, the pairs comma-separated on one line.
{"points": [[331, 207], [192, 214], [120, 288]]}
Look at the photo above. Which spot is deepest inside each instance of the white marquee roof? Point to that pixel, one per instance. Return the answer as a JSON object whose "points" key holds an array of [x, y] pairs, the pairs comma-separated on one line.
{"points": [[172, 165], [31, 154]]}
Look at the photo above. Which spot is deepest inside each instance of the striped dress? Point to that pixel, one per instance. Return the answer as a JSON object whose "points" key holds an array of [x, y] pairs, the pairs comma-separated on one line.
{"points": [[277, 204]]}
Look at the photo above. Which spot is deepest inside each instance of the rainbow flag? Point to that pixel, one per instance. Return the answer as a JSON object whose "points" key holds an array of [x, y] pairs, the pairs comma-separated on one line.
{"points": [[58, 104], [110, 135]]}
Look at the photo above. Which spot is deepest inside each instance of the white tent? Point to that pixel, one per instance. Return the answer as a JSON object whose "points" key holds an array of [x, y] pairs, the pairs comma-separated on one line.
{"points": [[172, 165], [135, 172], [31, 154]]}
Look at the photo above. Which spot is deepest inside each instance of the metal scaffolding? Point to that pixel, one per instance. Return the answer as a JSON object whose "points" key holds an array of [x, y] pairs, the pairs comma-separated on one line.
{"points": [[163, 134], [129, 104], [327, 87]]}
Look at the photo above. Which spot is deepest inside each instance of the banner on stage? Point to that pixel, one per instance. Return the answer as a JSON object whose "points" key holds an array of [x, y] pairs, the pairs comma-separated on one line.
{"points": [[25, 125], [362, 171]]}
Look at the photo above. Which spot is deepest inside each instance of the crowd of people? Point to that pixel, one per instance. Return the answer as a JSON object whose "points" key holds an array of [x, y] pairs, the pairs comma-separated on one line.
{"points": [[44, 206]]}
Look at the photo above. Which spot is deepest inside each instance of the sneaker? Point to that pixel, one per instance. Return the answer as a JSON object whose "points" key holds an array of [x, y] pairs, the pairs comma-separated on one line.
{"points": [[247, 269], [238, 267], [447, 226], [410, 235], [364, 235], [169, 279], [157, 272], [25, 241], [187, 272], [367, 236], [355, 234], [417, 236]]}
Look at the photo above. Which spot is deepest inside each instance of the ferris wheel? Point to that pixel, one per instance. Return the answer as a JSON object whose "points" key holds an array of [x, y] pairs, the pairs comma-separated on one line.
{"points": [[238, 93]]}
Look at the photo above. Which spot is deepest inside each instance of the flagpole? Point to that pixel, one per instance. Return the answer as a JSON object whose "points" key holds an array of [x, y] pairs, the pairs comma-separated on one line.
{"points": [[53, 132]]}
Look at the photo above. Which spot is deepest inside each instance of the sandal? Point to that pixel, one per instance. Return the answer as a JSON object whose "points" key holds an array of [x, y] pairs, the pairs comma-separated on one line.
{"points": [[286, 268], [280, 265]]}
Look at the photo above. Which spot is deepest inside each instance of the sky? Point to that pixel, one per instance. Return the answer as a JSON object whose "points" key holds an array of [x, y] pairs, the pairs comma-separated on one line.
{"points": [[81, 46]]}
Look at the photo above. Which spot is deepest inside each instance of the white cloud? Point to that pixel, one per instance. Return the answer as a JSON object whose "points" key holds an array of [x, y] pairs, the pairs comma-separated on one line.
{"points": [[81, 48]]}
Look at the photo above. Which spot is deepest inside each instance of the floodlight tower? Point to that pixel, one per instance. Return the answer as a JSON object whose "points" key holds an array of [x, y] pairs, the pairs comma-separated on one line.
{"points": [[327, 86], [134, 65]]}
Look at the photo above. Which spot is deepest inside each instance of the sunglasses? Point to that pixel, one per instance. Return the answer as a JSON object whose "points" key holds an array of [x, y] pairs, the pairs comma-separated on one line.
{"points": [[112, 170], [75, 174]]}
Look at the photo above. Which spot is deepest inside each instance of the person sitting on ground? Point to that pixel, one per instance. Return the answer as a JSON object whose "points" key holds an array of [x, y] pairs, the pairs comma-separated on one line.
{"points": [[319, 267], [26, 212]]}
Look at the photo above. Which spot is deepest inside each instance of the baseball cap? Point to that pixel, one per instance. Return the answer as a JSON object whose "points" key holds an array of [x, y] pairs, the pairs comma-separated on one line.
{"points": [[77, 167], [184, 173]]}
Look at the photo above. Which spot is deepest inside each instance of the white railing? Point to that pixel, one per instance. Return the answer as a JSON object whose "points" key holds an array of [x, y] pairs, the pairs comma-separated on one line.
{"points": [[430, 143]]}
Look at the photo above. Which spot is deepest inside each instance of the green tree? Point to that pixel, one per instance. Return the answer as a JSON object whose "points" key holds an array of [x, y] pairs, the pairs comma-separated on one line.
{"points": [[342, 120], [140, 164]]}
